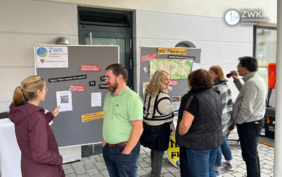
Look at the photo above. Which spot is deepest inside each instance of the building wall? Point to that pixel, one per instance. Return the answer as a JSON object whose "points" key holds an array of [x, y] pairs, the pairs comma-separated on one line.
{"points": [[221, 44], [26, 23], [211, 8]]}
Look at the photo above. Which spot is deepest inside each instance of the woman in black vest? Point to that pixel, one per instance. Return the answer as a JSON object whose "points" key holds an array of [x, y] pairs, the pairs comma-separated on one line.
{"points": [[199, 124], [157, 117]]}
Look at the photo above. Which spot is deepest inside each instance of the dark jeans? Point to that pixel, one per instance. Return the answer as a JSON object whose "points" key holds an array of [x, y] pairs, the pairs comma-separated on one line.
{"points": [[121, 165], [202, 162], [248, 133], [184, 166]]}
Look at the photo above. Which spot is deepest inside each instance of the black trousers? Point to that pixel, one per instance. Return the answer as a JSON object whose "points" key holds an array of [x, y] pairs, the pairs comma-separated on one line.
{"points": [[184, 166], [248, 133]]}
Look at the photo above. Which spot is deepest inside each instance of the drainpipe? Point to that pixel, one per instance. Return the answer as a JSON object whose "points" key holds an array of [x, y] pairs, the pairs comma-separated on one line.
{"points": [[278, 111]]}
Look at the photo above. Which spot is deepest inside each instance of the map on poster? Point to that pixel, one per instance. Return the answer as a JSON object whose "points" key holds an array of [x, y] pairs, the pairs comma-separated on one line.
{"points": [[178, 69], [51, 57]]}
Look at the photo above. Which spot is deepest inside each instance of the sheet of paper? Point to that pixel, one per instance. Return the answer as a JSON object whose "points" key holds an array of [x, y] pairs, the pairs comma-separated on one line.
{"points": [[195, 66], [96, 99], [64, 99]]}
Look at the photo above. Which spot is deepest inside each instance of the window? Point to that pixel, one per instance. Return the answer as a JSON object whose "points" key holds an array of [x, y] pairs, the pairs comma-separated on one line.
{"points": [[185, 44], [264, 49]]}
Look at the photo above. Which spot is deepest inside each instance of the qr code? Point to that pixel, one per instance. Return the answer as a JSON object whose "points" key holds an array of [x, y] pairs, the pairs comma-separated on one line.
{"points": [[64, 99]]}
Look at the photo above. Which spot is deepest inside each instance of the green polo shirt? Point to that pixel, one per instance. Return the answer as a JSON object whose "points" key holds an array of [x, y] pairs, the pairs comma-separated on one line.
{"points": [[119, 111]]}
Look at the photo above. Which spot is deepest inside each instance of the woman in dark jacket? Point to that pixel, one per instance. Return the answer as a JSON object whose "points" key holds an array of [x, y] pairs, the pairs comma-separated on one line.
{"points": [[199, 124], [157, 117], [39, 150], [221, 87]]}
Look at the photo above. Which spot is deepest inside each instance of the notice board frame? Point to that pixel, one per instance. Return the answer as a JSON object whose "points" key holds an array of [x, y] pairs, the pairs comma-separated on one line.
{"points": [[68, 127]]}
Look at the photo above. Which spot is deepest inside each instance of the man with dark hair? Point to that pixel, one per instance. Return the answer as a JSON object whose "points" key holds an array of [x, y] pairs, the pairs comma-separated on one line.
{"points": [[123, 124], [249, 111]]}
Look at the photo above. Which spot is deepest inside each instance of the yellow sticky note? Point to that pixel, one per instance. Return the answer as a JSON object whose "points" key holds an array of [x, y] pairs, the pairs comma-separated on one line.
{"points": [[92, 116]]}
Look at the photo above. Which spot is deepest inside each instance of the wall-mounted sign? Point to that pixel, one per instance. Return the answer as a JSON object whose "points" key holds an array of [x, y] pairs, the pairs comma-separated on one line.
{"points": [[102, 78], [148, 57], [87, 67], [52, 57], [181, 57], [69, 78], [77, 88], [172, 51], [103, 86], [92, 83]]}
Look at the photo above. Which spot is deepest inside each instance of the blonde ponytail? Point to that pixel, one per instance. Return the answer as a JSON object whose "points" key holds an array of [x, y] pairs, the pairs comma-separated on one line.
{"points": [[27, 90], [18, 96]]}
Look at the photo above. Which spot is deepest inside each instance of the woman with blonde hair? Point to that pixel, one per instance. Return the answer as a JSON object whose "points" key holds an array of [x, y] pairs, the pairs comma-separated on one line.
{"points": [[157, 117], [221, 87], [39, 150]]}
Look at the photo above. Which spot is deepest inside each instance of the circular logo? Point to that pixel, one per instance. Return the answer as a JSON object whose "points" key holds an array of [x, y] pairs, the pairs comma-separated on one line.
{"points": [[232, 17], [42, 52]]}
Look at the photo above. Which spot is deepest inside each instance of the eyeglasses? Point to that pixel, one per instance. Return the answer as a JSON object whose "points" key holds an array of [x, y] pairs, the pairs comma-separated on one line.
{"points": [[238, 66], [46, 89]]}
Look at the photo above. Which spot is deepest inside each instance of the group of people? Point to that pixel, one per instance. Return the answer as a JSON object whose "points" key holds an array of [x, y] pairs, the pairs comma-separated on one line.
{"points": [[204, 121]]}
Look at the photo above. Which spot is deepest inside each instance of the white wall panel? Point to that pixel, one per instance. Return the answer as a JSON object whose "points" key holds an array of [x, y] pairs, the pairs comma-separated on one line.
{"points": [[12, 77], [17, 49], [38, 17]]}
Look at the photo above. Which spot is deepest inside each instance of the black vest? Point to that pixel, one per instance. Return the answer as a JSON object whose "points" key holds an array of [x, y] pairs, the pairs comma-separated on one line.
{"points": [[205, 132]]}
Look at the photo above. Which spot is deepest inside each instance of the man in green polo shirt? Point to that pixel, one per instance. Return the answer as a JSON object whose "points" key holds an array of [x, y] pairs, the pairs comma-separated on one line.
{"points": [[123, 124]]}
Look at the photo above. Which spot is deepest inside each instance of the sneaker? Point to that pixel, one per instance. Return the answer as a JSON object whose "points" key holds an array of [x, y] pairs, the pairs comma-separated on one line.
{"points": [[229, 167], [218, 174]]}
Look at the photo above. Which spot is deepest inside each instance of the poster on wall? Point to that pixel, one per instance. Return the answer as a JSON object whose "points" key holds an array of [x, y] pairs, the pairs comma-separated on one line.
{"points": [[51, 57]]}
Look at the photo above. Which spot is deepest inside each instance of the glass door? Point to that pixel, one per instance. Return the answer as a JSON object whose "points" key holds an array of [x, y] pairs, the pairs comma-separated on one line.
{"points": [[112, 38]]}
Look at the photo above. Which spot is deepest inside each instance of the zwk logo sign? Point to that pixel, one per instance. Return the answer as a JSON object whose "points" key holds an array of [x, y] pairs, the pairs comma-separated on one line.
{"points": [[232, 17]]}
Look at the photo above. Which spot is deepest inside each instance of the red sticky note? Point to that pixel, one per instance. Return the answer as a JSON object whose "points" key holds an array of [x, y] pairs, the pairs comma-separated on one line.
{"points": [[87, 67], [148, 57], [173, 82], [77, 88]]}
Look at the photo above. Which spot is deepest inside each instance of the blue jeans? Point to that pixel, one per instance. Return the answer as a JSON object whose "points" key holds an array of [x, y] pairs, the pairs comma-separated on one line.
{"points": [[121, 165], [184, 166], [202, 162], [225, 150]]}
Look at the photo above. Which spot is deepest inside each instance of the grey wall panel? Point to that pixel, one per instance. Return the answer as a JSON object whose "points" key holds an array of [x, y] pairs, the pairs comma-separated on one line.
{"points": [[68, 127]]}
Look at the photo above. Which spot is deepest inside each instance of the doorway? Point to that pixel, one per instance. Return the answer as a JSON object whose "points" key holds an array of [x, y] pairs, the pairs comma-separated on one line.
{"points": [[107, 27]]}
